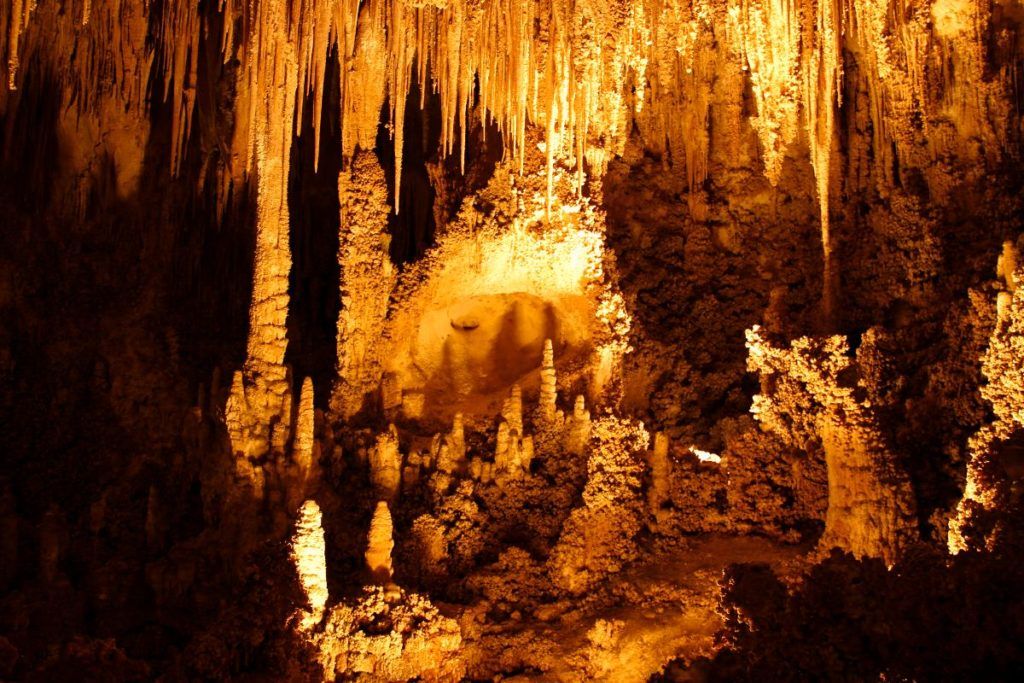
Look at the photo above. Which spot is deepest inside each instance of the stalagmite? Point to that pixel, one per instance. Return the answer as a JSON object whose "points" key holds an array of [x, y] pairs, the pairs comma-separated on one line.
{"points": [[432, 548], [386, 465], [512, 410], [504, 447], [379, 544], [547, 410], [993, 464], [639, 181], [411, 472], [1006, 266], [870, 502], [235, 412], [301, 475], [309, 555], [451, 453], [526, 453], [272, 88], [577, 428], [302, 452], [597, 539]]}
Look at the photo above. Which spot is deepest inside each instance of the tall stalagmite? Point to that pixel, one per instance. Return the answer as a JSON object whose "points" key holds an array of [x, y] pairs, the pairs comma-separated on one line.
{"points": [[308, 553]]}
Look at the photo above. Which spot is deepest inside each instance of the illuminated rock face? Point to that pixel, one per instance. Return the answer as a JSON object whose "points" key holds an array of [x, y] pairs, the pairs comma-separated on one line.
{"points": [[994, 465], [522, 440], [805, 397], [597, 538]]}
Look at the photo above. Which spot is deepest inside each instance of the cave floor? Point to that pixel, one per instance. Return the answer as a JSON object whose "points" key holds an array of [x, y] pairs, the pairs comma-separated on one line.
{"points": [[661, 608]]}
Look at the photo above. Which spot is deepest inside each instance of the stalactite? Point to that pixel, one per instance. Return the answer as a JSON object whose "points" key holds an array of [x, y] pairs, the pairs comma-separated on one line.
{"points": [[180, 33], [270, 85], [17, 20], [363, 74], [822, 72], [584, 74], [766, 33], [303, 449]]}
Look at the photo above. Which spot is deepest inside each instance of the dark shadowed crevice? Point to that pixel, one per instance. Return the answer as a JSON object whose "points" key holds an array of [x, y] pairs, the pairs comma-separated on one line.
{"points": [[315, 220], [412, 227]]}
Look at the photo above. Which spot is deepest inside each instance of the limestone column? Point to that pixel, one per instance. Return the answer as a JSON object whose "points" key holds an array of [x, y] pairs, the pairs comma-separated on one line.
{"points": [[262, 414], [367, 279]]}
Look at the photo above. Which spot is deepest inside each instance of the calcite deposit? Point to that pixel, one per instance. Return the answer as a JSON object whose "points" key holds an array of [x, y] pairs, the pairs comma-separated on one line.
{"points": [[438, 340]]}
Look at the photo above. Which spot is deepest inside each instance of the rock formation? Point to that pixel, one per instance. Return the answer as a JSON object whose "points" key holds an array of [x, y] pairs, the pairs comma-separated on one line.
{"points": [[598, 538], [386, 465], [367, 279], [547, 408], [806, 396], [993, 465], [577, 428], [308, 553], [379, 544], [661, 472], [644, 339]]}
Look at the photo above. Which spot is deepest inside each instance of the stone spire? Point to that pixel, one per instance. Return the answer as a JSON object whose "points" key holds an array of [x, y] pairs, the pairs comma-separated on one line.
{"points": [[548, 382], [302, 451], [512, 410], [309, 555], [379, 545]]}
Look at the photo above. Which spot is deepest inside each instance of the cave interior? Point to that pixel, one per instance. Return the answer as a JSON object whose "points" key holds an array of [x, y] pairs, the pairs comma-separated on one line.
{"points": [[480, 340]]}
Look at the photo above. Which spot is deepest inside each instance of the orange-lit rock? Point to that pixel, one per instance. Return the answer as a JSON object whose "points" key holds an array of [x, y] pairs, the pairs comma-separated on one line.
{"points": [[308, 554], [562, 340], [379, 544]]}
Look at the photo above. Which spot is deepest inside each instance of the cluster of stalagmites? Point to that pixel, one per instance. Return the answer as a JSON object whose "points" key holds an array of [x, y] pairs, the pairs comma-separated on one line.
{"points": [[392, 634], [254, 442], [447, 457], [387, 633]]}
